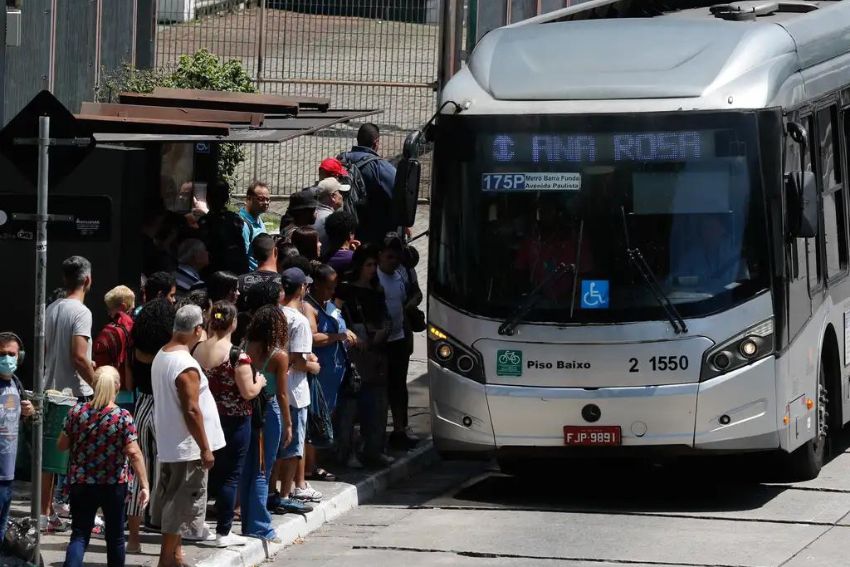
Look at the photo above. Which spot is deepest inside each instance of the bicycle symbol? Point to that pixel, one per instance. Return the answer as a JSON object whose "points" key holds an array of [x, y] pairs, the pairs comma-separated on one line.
{"points": [[509, 357], [594, 294]]}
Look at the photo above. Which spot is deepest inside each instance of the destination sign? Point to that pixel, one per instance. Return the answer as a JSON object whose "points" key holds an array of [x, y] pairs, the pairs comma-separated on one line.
{"points": [[675, 146], [532, 181]]}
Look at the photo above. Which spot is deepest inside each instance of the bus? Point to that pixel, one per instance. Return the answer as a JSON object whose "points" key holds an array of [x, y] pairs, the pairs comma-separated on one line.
{"points": [[639, 235]]}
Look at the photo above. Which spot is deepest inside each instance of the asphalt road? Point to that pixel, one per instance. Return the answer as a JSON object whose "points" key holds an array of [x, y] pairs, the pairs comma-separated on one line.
{"points": [[693, 514]]}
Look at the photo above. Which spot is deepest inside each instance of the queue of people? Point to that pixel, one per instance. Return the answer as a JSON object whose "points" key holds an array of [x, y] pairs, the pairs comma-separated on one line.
{"points": [[233, 387]]}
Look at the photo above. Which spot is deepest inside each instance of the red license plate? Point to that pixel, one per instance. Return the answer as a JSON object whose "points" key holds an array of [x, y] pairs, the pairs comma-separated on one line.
{"points": [[604, 435]]}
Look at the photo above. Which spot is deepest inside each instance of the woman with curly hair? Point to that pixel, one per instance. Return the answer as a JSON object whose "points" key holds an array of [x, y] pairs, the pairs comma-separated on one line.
{"points": [[151, 330], [265, 341]]}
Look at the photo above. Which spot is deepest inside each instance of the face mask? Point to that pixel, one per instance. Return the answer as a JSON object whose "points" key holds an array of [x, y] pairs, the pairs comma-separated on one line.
{"points": [[8, 364]]}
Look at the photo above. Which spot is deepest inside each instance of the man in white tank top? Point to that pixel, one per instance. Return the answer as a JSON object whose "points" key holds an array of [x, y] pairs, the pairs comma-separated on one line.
{"points": [[188, 431]]}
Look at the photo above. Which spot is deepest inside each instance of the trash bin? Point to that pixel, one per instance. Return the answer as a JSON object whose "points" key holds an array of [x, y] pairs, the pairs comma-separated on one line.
{"points": [[55, 411]]}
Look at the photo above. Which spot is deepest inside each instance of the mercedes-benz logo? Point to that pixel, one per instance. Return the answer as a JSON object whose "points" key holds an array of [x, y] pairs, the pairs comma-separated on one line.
{"points": [[591, 413]]}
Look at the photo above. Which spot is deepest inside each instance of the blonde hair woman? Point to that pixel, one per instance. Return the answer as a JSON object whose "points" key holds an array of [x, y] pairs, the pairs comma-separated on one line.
{"points": [[102, 438]]}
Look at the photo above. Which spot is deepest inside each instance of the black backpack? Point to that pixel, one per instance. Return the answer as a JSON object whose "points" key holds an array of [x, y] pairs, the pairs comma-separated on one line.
{"points": [[223, 237], [355, 200], [259, 403]]}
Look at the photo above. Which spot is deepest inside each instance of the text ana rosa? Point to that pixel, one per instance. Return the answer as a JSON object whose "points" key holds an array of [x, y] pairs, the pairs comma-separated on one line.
{"points": [[557, 365]]}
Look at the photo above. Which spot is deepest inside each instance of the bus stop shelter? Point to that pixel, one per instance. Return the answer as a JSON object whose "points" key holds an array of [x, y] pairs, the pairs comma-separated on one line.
{"points": [[147, 148]]}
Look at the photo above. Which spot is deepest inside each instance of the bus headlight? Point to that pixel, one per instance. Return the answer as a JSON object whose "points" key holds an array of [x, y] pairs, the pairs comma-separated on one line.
{"points": [[444, 351], [745, 348], [449, 353]]}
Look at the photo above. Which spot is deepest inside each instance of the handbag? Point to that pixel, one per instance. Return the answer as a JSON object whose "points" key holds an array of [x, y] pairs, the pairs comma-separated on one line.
{"points": [[261, 400], [352, 382], [20, 543], [320, 430], [414, 317]]}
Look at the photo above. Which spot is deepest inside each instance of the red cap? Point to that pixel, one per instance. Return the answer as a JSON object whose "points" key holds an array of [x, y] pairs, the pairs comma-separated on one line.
{"points": [[333, 166]]}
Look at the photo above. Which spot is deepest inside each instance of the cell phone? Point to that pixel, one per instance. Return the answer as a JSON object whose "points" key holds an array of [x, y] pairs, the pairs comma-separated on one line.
{"points": [[200, 192]]}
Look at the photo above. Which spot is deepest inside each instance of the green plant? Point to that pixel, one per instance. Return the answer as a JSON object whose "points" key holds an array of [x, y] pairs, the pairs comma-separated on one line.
{"points": [[203, 70]]}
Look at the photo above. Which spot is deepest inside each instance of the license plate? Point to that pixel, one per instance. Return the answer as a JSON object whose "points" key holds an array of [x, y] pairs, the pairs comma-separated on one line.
{"points": [[575, 435]]}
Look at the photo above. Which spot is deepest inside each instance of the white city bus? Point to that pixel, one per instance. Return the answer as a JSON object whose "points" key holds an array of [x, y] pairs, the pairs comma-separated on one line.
{"points": [[639, 234]]}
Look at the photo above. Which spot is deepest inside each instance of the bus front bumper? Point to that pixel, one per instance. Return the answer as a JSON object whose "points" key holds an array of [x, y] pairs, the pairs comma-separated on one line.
{"points": [[736, 412]]}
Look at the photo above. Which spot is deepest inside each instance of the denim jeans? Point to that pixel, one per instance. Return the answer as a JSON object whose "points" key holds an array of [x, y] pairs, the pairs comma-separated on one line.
{"points": [[254, 482], [371, 405], [85, 500], [5, 505], [229, 463]]}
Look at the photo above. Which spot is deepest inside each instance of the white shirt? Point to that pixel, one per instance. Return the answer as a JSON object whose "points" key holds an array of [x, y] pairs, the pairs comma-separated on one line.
{"points": [[300, 343], [174, 443], [395, 293]]}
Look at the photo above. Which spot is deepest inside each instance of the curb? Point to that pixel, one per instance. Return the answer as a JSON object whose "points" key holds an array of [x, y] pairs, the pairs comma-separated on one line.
{"points": [[292, 527]]}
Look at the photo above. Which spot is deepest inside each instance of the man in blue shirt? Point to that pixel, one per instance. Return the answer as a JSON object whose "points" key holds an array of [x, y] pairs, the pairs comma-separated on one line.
{"points": [[12, 408], [256, 203], [379, 176]]}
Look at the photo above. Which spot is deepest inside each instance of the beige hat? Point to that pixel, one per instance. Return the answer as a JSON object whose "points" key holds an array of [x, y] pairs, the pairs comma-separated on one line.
{"points": [[329, 186]]}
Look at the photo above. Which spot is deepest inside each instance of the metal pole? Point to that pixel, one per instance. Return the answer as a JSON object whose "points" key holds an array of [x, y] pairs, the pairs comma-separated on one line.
{"points": [[40, 293], [449, 56]]}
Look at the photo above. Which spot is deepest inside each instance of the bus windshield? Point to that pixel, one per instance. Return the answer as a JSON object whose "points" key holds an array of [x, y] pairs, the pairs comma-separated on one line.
{"points": [[515, 197]]}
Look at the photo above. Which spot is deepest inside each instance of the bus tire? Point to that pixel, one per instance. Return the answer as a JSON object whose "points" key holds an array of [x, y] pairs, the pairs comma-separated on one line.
{"points": [[805, 462]]}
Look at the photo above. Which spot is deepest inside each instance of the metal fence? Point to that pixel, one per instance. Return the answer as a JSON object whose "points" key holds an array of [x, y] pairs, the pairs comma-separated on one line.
{"points": [[376, 54]]}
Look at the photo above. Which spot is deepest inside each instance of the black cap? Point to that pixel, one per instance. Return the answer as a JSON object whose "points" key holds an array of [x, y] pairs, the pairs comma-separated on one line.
{"points": [[294, 276], [302, 200]]}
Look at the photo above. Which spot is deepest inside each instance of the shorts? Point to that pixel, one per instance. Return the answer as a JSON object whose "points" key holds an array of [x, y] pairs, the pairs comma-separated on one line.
{"points": [[295, 449], [182, 493]]}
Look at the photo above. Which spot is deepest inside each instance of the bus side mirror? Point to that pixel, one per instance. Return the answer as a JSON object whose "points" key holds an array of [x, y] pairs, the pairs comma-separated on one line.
{"points": [[801, 195], [407, 179], [406, 191]]}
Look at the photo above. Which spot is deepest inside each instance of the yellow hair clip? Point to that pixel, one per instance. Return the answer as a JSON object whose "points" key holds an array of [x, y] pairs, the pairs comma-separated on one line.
{"points": [[219, 315]]}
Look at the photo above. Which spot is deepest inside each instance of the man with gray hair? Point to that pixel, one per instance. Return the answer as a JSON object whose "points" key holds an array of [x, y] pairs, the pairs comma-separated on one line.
{"points": [[329, 193], [192, 258], [188, 431], [68, 362]]}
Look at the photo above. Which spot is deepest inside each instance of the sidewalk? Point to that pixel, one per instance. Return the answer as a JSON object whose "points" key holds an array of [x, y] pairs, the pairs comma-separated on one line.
{"points": [[340, 497]]}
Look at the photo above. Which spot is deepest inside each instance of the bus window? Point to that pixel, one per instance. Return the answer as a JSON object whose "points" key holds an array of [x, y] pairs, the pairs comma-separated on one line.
{"points": [[835, 235]]}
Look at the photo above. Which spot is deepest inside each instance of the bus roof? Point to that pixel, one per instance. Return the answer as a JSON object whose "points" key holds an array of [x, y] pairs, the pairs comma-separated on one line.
{"points": [[646, 52]]}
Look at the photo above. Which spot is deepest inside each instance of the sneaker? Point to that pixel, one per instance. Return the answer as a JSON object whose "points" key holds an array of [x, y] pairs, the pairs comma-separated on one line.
{"points": [[99, 527], [207, 537], [400, 441], [353, 462], [230, 539], [54, 524], [273, 501], [379, 461], [293, 506], [308, 493], [62, 509]]}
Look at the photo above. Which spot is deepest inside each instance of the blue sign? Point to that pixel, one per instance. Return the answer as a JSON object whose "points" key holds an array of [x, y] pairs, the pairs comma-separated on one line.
{"points": [[594, 294], [202, 148]]}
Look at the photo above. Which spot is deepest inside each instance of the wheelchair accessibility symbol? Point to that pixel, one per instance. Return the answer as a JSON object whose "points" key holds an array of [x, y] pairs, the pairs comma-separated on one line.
{"points": [[594, 294]]}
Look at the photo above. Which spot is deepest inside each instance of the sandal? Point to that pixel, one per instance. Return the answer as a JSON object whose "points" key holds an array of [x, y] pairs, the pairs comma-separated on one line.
{"points": [[135, 550], [322, 474]]}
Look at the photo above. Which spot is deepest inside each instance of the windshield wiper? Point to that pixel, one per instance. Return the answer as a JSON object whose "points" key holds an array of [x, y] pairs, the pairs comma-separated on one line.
{"points": [[530, 300], [637, 260]]}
